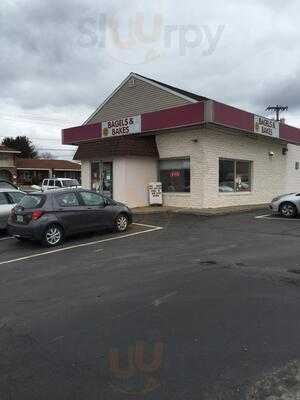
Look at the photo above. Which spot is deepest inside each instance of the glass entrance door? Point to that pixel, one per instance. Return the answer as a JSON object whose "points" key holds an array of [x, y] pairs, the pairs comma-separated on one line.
{"points": [[102, 177], [96, 176], [107, 179]]}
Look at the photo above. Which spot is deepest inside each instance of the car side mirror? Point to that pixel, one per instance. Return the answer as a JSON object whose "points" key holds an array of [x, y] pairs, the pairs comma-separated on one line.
{"points": [[106, 203]]}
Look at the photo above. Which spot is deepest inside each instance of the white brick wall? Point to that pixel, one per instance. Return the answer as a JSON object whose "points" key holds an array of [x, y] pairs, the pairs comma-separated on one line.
{"points": [[293, 175], [268, 175], [179, 144]]}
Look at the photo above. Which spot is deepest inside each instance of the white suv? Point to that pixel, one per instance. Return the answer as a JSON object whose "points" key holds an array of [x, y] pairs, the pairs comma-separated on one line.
{"points": [[59, 183]]}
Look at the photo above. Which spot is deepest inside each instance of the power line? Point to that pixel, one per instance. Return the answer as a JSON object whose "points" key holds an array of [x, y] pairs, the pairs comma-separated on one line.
{"points": [[36, 117], [277, 110]]}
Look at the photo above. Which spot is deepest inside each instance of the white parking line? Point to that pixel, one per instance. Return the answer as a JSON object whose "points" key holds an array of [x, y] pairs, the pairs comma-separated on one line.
{"points": [[263, 216], [145, 225], [270, 216], [44, 253], [6, 238]]}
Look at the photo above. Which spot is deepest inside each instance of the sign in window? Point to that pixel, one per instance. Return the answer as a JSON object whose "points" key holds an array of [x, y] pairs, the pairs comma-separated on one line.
{"points": [[175, 175]]}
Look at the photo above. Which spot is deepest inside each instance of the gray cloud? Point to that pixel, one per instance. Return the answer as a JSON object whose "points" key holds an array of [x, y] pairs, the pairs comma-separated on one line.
{"points": [[284, 92], [69, 55], [42, 63]]}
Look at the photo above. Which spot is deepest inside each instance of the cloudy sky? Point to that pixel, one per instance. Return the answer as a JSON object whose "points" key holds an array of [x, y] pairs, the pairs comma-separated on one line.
{"points": [[61, 58]]}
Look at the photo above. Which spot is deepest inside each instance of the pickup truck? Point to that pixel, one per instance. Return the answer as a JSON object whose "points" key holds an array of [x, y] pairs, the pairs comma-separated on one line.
{"points": [[60, 183]]}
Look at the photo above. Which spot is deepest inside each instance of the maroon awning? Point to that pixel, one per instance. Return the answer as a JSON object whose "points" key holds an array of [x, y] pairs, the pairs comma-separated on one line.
{"points": [[117, 146], [190, 115]]}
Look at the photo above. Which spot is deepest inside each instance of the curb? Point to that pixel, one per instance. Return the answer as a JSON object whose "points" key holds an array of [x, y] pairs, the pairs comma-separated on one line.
{"points": [[204, 213]]}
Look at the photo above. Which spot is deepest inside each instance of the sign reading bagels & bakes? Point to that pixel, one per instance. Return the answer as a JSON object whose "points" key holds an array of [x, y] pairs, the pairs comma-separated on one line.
{"points": [[266, 126], [121, 127]]}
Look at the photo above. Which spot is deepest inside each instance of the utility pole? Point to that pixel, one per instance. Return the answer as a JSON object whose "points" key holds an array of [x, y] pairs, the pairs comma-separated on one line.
{"points": [[277, 109]]}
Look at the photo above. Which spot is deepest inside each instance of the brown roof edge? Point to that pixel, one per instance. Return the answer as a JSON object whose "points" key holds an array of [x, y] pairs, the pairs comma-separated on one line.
{"points": [[117, 146], [5, 149], [35, 163]]}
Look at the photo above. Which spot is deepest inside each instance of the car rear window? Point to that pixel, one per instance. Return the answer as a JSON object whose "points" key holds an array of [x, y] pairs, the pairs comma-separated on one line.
{"points": [[16, 197], [32, 201], [70, 183]]}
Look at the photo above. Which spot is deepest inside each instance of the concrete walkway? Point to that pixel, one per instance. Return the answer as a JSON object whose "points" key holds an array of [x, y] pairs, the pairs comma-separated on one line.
{"points": [[198, 211]]}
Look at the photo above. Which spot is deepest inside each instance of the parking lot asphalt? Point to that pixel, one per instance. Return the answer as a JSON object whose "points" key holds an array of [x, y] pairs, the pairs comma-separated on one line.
{"points": [[205, 308]]}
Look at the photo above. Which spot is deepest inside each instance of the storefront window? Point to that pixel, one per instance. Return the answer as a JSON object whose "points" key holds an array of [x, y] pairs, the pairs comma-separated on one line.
{"points": [[175, 175], [234, 176]]}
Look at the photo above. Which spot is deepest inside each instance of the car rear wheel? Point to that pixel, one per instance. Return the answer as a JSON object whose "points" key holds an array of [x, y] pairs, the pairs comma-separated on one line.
{"points": [[121, 223], [53, 236], [288, 210]]}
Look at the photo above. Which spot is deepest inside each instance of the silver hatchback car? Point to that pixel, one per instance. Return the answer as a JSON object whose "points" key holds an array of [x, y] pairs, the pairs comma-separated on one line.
{"points": [[8, 199], [287, 205]]}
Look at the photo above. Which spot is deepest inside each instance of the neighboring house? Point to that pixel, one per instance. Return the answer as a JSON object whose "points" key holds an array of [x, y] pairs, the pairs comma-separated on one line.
{"points": [[8, 163], [33, 171]]}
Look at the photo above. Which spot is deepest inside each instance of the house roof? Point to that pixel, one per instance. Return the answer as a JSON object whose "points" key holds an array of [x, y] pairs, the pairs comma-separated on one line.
{"points": [[36, 163], [5, 149], [175, 89], [193, 97], [117, 146]]}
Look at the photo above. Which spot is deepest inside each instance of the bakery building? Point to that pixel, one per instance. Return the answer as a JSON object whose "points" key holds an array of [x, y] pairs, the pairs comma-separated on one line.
{"points": [[206, 154]]}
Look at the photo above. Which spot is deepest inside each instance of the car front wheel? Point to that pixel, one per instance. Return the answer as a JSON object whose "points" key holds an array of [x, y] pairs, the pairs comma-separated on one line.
{"points": [[53, 236], [288, 210], [121, 223]]}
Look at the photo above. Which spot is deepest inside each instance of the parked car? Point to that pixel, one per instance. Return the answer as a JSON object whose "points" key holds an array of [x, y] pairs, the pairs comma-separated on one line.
{"points": [[287, 205], [59, 183], [8, 199], [51, 216], [7, 185]]}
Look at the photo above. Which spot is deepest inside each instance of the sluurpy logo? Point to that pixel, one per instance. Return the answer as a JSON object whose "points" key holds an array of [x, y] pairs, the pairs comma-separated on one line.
{"points": [[133, 375], [142, 37]]}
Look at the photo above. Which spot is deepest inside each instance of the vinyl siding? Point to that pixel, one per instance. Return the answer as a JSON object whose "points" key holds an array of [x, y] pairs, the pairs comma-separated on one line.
{"points": [[142, 98], [293, 174]]}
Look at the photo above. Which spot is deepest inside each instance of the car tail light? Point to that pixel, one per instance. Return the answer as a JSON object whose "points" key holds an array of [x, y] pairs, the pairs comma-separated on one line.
{"points": [[37, 215]]}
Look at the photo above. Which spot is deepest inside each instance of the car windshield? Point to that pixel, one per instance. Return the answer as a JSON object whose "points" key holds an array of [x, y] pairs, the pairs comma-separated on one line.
{"points": [[32, 201], [70, 183]]}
